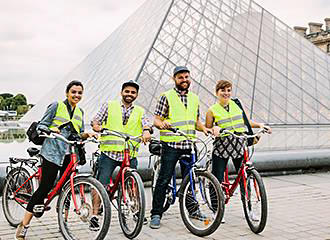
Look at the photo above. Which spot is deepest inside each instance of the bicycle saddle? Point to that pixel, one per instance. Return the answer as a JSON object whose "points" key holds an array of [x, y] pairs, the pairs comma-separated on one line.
{"points": [[33, 151]]}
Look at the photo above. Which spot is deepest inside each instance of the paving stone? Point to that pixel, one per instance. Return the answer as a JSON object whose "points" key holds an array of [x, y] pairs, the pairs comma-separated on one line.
{"points": [[298, 209]]}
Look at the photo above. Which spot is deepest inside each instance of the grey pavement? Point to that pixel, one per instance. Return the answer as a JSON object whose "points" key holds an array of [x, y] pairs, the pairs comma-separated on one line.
{"points": [[299, 208]]}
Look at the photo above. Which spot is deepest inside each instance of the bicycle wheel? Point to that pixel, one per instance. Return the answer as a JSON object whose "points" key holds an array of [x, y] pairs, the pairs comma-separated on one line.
{"points": [[131, 208], [202, 213], [255, 202], [85, 222], [14, 205]]}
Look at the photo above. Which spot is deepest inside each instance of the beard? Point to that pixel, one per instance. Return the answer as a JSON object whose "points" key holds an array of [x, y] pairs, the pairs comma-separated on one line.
{"points": [[128, 99], [181, 87]]}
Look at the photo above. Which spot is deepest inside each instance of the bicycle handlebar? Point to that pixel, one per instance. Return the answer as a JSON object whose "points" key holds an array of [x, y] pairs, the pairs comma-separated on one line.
{"points": [[126, 137], [244, 136], [53, 135], [181, 133]]}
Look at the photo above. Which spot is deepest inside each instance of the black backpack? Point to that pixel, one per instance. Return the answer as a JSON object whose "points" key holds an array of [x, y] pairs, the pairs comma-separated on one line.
{"points": [[33, 134], [250, 141]]}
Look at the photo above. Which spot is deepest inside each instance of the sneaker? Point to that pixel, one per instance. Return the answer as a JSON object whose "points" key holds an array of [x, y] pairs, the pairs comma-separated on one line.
{"points": [[94, 223], [198, 215], [21, 232], [155, 222]]}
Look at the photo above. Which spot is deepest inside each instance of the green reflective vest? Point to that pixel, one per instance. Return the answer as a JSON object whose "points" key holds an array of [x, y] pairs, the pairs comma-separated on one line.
{"points": [[232, 120], [181, 117], [115, 122], [62, 116]]}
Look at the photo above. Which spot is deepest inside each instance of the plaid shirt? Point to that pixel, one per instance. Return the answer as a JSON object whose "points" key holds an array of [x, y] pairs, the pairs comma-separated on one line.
{"points": [[162, 109], [102, 117]]}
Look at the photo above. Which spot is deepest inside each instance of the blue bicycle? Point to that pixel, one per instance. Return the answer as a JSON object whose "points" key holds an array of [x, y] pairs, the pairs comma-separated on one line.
{"points": [[200, 196]]}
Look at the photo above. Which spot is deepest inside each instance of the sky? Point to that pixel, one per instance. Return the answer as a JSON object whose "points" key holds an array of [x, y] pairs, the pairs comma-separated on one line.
{"points": [[41, 41]]}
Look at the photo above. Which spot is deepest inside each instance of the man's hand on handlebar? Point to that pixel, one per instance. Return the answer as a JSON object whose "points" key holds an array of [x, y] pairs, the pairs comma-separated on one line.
{"points": [[89, 135], [146, 136], [266, 128]]}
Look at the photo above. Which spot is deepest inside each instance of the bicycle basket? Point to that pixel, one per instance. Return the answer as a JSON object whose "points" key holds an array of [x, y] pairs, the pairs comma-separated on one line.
{"points": [[155, 147]]}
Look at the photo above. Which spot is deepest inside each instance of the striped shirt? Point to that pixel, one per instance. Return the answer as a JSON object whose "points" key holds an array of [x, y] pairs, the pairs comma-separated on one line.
{"points": [[102, 117], [162, 110]]}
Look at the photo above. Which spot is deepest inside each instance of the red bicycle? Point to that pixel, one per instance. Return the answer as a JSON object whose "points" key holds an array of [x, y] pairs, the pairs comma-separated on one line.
{"points": [[23, 176], [127, 189], [253, 191]]}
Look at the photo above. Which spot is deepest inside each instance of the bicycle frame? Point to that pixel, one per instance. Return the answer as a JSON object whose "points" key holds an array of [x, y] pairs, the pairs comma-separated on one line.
{"points": [[190, 170], [229, 188], [121, 175], [69, 171], [125, 166]]}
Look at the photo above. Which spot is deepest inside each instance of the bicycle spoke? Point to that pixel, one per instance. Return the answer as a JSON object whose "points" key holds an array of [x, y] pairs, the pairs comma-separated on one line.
{"points": [[14, 202], [132, 207], [255, 202], [203, 211], [86, 220]]}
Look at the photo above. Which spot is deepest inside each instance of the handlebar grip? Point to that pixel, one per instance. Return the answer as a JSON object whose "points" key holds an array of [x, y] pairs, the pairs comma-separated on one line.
{"points": [[47, 131], [173, 129], [103, 130]]}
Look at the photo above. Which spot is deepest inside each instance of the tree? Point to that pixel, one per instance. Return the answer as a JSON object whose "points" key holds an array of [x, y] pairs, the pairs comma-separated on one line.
{"points": [[2, 103], [8, 103], [6, 95], [22, 109], [18, 100]]}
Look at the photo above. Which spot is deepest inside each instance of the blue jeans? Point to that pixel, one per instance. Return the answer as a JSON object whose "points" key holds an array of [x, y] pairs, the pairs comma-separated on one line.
{"points": [[219, 165], [169, 159], [107, 165]]}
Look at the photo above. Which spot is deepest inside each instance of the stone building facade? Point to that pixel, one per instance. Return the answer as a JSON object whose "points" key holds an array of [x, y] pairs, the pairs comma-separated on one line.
{"points": [[317, 35]]}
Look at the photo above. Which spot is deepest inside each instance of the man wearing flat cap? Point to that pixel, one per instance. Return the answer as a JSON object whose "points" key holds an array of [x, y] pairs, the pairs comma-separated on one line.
{"points": [[176, 108]]}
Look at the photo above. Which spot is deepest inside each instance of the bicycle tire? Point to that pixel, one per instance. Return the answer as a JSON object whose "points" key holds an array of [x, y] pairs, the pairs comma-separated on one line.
{"points": [[205, 224], [132, 181], [254, 185], [28, 189], [83, 185]]}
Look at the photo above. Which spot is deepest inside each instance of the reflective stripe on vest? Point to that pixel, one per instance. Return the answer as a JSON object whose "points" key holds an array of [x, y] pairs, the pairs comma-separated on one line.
{"points": [[62, 116], [181, 117], [232, 120], [115, 122]]}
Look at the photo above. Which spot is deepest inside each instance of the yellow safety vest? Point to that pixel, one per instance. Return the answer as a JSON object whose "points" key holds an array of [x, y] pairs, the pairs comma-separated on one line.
{"points": [[232, 120], [181, 117], [62, 116], [115, 122]]}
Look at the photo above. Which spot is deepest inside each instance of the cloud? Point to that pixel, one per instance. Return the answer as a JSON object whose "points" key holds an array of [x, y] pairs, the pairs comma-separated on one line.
{"points": [[41, 41]]}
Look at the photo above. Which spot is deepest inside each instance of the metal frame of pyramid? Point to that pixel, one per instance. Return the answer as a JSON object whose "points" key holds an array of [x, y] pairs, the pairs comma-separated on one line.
{"points": [[282, 79]]}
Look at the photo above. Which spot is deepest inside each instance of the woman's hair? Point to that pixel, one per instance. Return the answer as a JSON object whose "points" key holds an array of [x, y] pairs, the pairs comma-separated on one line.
{"points": [[222, 84], [73, 83]]}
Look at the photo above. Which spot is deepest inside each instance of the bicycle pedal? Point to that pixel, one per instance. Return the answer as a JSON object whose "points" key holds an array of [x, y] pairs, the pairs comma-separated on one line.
{"points": [[38, 208]]}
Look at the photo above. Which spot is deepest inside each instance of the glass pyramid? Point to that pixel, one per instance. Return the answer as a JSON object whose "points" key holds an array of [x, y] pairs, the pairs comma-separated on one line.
{"points": [[281, 78]]}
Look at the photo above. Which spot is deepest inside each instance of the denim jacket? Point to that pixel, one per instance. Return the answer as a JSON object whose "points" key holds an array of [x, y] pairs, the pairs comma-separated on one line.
{"points": [[54, 150]]}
